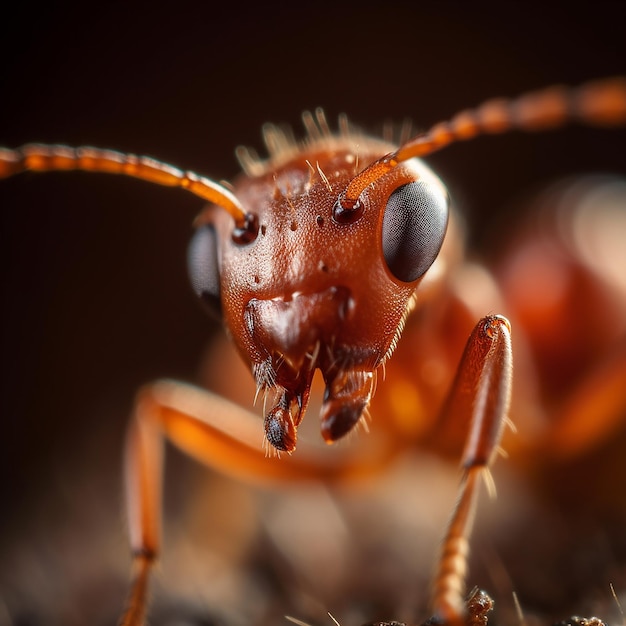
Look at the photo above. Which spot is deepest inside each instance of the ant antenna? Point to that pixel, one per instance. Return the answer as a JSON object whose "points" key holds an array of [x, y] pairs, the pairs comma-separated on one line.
{"points": [[598, 103], [44, 158]]}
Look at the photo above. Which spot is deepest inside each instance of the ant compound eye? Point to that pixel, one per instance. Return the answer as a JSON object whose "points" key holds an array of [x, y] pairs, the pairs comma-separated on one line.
{"points": [[414, 225], [203, 269]]}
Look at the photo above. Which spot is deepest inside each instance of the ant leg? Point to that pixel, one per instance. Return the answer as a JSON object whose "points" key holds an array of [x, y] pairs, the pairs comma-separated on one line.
{"points": [[480, 396], [217, 433], [204, 426]]}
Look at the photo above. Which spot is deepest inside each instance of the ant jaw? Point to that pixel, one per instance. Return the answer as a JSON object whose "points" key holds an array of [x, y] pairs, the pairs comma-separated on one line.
{"points": [[339, 418], [347, 396], [280, 429], [281, 422]]}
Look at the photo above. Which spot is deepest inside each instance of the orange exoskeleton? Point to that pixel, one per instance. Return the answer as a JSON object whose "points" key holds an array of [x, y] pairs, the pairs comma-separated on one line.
{"points": [[314, 260]]}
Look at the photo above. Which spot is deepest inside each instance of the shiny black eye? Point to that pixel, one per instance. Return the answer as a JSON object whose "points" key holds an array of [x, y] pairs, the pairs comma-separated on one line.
{"points": [[414, 225], [204, 270]]}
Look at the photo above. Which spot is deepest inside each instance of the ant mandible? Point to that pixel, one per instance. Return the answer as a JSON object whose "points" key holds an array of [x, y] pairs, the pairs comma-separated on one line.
{"points": [[313, 262]]}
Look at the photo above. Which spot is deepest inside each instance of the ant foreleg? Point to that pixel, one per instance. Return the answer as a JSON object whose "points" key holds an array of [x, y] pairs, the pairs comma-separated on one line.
{"points": [[219, 434], [480, 396], [206, 427]]}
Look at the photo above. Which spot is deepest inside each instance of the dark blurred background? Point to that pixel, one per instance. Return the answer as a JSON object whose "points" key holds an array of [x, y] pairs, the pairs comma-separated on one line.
{"points": [[95, 299]]}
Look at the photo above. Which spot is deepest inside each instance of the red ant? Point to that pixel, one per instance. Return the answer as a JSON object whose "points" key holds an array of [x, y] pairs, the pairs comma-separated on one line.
{"points": [[314, 261]]}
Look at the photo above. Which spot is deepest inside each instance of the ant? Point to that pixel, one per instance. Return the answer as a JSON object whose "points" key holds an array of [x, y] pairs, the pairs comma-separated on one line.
{"points": [[315, 260]]}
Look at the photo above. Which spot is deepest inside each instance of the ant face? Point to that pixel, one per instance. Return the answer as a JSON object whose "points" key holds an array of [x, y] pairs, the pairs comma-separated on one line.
{"points": [[314, 290]]}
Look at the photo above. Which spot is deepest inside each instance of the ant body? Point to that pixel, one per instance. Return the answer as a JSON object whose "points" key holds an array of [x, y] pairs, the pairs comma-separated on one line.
{"points": [[315, 260]]}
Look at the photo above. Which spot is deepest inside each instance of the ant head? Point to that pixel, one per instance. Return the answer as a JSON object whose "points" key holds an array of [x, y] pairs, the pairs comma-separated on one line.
{"points": [[319, 286]]}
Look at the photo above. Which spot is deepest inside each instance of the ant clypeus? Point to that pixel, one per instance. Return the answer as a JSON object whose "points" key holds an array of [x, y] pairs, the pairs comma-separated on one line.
{"points": [[312, 260]]}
